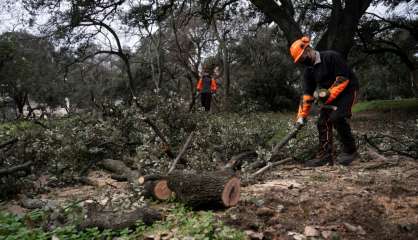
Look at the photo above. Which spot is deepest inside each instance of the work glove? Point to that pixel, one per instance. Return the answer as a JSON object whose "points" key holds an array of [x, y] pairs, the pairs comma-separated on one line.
{"points": [[300, 122], [321, 96]]}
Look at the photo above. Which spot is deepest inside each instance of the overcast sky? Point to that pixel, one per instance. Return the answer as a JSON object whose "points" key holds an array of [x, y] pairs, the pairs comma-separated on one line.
{"points": [[11, 18]]}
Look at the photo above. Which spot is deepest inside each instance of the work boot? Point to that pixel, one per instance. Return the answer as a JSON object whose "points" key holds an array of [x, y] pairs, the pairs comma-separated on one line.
{"points": [[346, 159], [325, 154], [322, 158]]}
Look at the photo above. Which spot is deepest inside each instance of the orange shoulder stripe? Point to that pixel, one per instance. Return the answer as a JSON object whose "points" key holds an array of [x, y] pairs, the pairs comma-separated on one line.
{"points": [[339, 85]]}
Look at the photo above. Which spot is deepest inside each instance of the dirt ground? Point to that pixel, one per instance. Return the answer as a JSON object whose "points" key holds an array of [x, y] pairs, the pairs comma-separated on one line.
{"points": [[375, 198]]}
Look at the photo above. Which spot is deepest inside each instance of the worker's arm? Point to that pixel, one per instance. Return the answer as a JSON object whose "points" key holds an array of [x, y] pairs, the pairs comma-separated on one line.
{"points": [[213, 86], [305, 104], [199, 86], [342, 77], [339, 85]]}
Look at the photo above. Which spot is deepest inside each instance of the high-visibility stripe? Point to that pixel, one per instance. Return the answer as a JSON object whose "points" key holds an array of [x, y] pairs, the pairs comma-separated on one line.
{"points": [[339, 85], [213, 85], [199, 85], [305, 106]]}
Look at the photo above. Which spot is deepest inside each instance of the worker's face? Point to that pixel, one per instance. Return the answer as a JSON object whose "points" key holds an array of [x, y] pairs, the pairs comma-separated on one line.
{"points": [[306, 58]]}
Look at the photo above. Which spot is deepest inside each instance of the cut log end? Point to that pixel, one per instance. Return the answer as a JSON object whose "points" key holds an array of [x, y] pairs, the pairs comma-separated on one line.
{"points": [[161, 190], [231, 192], [141, 180]]}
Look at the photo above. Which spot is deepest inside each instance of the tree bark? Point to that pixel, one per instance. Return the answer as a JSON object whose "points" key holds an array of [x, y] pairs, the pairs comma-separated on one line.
{"points": [[22, 167], [282, 15], [207, 189], [117, 220], [340, 32], [342, 26]]}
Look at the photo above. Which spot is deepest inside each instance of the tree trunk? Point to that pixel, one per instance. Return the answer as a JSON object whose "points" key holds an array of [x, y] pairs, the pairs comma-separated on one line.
{"points": [[20, 100], [208, 189], [118, 220], [342, 26], [225, 59], [340, 32], [414, 82], [283, 15]]}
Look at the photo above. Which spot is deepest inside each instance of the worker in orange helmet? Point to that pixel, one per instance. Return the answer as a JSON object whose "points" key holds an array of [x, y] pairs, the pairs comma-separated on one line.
{"points": [[332, 84], [206, 87]]}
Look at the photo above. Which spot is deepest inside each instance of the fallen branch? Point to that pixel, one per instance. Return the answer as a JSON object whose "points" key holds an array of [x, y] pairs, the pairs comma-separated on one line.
{"points": [[156, 186], [236, 160], [375, 156], [167, 148], [117, 220], [22, 167], [9, 142], [283, 142], [270, 165], [152, 177], [381, 165], [121, 170], [392, 149], [183, 149]]}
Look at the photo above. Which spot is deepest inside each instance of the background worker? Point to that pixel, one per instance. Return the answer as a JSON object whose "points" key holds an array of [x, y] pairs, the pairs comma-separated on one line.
{"points": [[329, 75], [206, 87]]}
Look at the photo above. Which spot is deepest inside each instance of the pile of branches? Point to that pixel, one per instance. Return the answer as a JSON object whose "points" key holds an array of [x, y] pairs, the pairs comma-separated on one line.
{"points": [[146, 137]]}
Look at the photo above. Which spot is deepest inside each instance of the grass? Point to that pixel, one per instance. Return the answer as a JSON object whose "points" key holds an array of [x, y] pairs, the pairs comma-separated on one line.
{"points": [[180, 222], [402, 104]]}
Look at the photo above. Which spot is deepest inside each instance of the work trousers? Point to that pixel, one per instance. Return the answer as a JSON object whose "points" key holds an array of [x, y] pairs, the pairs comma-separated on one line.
{"points": [[206, 99], [338, 119]]}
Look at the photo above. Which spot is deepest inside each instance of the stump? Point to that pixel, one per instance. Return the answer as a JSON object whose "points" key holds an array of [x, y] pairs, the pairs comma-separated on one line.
{"points": [[208, 189]]}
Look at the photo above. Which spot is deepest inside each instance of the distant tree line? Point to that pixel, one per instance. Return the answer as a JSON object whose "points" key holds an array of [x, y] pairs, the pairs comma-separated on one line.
{"points": [[80, 55]]}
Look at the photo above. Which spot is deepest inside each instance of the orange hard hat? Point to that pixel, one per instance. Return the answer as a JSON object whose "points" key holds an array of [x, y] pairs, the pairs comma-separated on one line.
{"points": [[298, 47]]}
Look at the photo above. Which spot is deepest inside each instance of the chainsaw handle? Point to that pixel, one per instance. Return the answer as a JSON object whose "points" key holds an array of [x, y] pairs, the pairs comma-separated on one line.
{"points": [[329, 107]]}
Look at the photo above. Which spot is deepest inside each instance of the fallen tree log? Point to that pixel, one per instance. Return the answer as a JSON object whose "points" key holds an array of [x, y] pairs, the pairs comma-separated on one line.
{"points": [[152, 177], [155, 186], [157, 189], [119, 168], [22, 167], [117, 220], [207, 189], [9, 142], [237, 160]]}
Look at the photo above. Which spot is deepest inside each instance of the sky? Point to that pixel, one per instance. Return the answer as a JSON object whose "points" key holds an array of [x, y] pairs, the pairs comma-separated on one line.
{"points": [[10, 18]]}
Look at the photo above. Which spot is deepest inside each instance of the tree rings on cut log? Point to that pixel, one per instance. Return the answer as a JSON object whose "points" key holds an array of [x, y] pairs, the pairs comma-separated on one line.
{"points": [[161, 190], [231, 192], [157, 189]]}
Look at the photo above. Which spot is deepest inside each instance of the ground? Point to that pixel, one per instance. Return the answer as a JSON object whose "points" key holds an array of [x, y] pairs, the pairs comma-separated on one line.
{"points": [[375, 198]]}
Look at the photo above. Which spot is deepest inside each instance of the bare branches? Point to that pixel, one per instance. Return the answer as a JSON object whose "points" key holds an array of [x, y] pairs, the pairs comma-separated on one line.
{"points": [[183, 149]]}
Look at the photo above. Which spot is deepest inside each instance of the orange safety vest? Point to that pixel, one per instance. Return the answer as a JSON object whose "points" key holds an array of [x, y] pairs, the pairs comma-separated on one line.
{"points": [[213, 85]]}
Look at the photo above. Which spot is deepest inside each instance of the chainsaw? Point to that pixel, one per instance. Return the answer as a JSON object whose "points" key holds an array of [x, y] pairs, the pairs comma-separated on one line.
{"points": [[294, 131]]}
